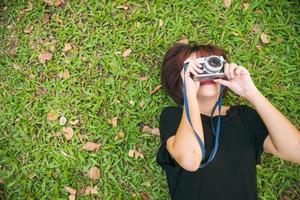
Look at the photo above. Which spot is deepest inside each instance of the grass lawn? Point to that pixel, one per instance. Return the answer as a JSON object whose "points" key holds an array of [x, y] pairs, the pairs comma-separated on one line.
{"points": [[67, 77]]}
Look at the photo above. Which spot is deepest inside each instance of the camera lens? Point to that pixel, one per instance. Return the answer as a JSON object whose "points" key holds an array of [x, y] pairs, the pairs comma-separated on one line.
{"points": [[214, 62]]}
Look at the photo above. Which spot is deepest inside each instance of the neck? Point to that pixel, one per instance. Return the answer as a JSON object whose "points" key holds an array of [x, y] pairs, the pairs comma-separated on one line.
{"points": [[206, 105]]}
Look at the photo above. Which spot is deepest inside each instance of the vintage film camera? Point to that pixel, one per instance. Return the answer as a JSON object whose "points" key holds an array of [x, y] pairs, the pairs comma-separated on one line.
{"points": [[213, 67]]}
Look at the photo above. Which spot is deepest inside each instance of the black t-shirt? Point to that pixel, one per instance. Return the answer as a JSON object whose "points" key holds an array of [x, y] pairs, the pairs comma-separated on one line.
{"points": [[232, 173]]}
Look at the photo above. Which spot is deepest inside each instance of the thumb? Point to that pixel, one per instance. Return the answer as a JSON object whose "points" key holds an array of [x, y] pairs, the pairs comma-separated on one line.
{"points": [[223, 82]]}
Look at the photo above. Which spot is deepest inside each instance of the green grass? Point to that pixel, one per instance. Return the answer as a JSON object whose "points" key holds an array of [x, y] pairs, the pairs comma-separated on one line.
{"points": [[102, 83]]}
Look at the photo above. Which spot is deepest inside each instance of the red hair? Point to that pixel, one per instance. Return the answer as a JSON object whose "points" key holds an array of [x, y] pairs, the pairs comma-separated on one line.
{"points": [[173, 64]]}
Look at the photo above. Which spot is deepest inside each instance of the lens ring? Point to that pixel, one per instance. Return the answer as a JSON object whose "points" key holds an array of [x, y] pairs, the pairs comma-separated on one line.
{"points": [[213, 64]]}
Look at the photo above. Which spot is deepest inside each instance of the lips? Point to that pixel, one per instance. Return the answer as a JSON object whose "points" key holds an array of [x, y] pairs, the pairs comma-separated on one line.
{"points": [[205, 82]]}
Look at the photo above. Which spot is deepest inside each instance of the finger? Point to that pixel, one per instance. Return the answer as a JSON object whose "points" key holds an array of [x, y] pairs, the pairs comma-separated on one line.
{"points": [[238, 71], [231, 69], [193, 72], [223, 82], [197, 69], [226, 70]]}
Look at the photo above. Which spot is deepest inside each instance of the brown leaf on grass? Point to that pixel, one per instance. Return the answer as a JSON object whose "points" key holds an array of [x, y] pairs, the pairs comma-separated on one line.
{"points": [[72, 197], [68, 133], [183, 41], [90, 190], [144, 78], [125, 7], [66, 74], [28, 29], [227, 3], [142, 103], [126, 53], [31, 176], [29, 8], [145, 196], [161, 23], [75, 122], [113, 122], [49, 2], [256, 28], [156, 89], [52, 115], [131, 102], [94, 173], [44, 57], [135, 154], [259, 47], [264, 38], [70, 190], [62, 120], [245, 6], [47, 17], [68, 47], [120, 135], [154, 131], [91, 146], [58, 3]]}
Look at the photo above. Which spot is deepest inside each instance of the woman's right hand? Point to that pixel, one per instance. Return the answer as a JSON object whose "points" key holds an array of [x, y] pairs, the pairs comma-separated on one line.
{"points": [[193, 67]]}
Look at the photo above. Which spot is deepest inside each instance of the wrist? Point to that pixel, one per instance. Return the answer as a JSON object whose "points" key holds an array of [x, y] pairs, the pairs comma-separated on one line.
{"points": [[251, 96]]}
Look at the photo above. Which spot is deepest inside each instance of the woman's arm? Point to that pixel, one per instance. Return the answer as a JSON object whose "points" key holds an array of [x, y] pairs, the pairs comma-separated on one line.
{"points": [[284, 138]]}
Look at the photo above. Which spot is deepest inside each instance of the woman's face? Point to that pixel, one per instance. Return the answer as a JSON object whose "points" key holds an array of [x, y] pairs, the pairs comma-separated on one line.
{"points": [[207, 90]]}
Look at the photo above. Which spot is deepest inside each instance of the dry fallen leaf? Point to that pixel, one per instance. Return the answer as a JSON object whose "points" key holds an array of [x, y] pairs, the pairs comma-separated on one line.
{"points": [[142, 103], [75, 122], [131, 102], [138, 24], [113, 122], [156, 89], [91, 146], [145, 196], [154, 131], [120, 135], [126, 53], [264, 38], [66, 74], [91, 190], [94, 173], [259, 47], [161, 23], [183, 41], [227, 3], [245, 6], [68, 133], [144, 78], [47, 17], [58, 3], [28, 29], [62, 120], [72, 197], [135, 154], [44, 57], [52, 115], [125, 7], [68, 47], [70, 190], [31, 176], [256, 28]]}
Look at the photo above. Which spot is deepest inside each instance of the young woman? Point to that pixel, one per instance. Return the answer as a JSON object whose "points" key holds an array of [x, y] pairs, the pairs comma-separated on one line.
{"points": [[245, 131]]}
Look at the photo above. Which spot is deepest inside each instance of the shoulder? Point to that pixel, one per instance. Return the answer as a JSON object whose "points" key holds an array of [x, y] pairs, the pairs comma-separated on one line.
{"points": [[170, 111]]}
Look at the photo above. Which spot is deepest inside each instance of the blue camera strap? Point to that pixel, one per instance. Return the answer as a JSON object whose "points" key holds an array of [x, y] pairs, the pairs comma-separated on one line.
{"points": [[216, 131]]}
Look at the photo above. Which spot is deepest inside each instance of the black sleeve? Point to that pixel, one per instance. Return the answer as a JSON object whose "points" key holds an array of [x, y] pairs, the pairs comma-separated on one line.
{"points": [[258, 131], [168, 124]]}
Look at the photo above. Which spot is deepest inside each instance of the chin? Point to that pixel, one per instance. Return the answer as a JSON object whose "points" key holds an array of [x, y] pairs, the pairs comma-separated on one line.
{"points": [[208, 91]]}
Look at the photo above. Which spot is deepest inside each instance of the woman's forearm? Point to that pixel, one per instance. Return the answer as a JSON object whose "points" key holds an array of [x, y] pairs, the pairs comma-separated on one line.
{"points": [[284, 135], [185, 142]]}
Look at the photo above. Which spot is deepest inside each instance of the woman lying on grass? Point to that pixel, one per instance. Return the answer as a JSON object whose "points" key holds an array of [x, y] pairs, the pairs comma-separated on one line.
{"points": [[193, 173]]}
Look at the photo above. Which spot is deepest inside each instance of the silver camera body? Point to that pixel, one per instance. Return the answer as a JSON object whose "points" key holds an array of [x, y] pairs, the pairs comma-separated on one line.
{"points": [[213, 67]]}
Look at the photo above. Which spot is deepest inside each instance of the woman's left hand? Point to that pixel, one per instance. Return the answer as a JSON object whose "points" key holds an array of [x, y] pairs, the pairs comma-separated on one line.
{"points": [[239, 80]]}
